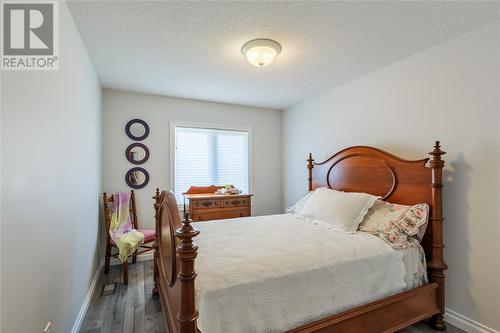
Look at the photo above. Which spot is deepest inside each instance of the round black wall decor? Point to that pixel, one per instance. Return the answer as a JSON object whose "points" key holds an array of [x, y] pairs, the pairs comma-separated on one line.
{"points": [[137, 178], [137, 153], [137, 129]]}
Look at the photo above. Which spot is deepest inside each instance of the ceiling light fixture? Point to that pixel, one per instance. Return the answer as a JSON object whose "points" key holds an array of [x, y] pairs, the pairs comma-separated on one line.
{"points": [[261, 52]]}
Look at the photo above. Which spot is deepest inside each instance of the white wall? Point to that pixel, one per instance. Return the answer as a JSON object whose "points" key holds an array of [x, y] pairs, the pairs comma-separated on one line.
{"points": [[119, 107], [450, 92], [51, 148], [1, 201]]}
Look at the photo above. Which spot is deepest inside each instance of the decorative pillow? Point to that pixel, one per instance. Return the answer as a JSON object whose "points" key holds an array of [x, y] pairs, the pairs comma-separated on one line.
{"points": [[396, 238], [380, 215], [299, 205], [342, 211], [414, 221], [395, 223]]}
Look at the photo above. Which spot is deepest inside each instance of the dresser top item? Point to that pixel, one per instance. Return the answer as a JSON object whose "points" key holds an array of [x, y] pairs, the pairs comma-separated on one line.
{"points": [[208, 192], [214, 196]]}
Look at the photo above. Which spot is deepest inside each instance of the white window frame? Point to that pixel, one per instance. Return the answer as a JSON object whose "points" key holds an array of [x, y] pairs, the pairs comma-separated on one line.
{"points": [[174, 124]]}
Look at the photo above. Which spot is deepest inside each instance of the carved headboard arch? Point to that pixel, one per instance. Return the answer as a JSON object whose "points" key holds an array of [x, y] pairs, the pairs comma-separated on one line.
{"points": [[374, 171], [395, 179]]}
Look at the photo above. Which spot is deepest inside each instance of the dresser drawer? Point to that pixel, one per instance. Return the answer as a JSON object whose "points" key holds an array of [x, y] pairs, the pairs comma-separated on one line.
{"points": [[209, 206], [235, 202], [206, 203], [207, 215]]}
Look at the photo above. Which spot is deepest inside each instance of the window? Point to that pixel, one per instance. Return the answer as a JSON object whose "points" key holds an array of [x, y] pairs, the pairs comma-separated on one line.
{"points": [[210, 156]]}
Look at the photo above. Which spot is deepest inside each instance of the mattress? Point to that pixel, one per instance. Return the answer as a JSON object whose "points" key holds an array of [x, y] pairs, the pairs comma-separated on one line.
{"points": [[274, 273]]}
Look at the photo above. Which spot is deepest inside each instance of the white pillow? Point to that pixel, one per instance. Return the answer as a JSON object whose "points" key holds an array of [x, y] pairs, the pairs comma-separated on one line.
{"points": [[299, 205], [342, 211]]}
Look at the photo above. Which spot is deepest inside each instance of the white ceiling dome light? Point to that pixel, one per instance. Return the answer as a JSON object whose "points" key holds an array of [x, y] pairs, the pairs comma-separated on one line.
{"points": [[261, 52]]}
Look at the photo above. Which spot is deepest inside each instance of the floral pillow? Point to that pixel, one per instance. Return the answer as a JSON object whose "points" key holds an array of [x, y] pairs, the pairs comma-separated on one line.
{"points": [[396, 223], [414, 221], [379, 215], [396, 238]]}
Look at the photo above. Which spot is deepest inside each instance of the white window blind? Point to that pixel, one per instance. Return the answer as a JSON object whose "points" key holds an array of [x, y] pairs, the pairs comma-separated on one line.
{"points": [[206, 156]]}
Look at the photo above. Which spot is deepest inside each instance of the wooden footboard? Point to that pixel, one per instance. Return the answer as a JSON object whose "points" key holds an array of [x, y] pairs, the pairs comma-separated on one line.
{"points": [[175, 253]]}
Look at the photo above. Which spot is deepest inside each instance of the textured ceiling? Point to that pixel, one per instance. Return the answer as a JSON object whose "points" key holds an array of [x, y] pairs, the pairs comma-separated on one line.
{"points": [[192, 49]]}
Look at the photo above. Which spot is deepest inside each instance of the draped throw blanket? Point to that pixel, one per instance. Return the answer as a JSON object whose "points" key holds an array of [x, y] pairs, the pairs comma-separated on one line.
{"points": [[121, 231]]}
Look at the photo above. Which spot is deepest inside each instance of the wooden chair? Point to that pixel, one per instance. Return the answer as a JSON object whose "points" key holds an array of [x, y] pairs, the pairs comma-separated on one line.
{"points": [[149, 235]]}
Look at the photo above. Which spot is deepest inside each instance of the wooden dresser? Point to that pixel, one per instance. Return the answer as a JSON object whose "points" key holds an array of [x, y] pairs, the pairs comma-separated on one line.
{"points": [[210, 206]]}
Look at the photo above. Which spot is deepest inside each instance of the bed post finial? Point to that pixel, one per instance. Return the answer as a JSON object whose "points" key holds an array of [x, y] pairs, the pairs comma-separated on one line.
{"points": [[437, 266], [436, 160], [156, 206], [187, 252], [310, 167]]}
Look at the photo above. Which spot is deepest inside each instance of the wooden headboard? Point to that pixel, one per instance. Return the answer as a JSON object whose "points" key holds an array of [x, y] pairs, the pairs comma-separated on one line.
{"points": [[396, 180]]}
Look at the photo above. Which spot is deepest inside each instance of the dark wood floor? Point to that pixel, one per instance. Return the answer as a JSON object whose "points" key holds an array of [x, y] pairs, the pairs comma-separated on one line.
{"points": [[130, 309], [133, 309]]}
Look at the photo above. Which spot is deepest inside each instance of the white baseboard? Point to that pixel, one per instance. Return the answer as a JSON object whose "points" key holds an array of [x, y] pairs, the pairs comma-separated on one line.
{"points": [[465, 323], [93, 285], [86, 302], [141, 257]]}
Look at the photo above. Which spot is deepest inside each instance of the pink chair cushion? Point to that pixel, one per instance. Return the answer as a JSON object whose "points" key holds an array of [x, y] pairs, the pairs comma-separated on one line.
{"points": [[149, 235]]}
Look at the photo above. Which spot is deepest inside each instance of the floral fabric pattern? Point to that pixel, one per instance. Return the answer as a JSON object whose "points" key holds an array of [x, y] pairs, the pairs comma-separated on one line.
{"points": [[403, 232], [395, 237], [380, 215], [411, 221], [396, 224]]}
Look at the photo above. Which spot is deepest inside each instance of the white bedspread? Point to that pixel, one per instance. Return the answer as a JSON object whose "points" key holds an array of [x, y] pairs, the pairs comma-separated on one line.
{"points": [[274, 273]]}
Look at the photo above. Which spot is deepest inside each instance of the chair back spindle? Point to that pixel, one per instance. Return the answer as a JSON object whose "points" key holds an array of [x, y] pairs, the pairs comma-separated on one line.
{"points": [[107, 213], [133, 210]]}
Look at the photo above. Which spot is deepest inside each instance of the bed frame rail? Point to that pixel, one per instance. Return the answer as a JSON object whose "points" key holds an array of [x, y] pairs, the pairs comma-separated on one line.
{"points": [[387, 315]]}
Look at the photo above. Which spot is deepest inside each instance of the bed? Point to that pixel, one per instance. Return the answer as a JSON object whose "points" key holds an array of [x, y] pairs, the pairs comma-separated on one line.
{"points": [[327, 272]]}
